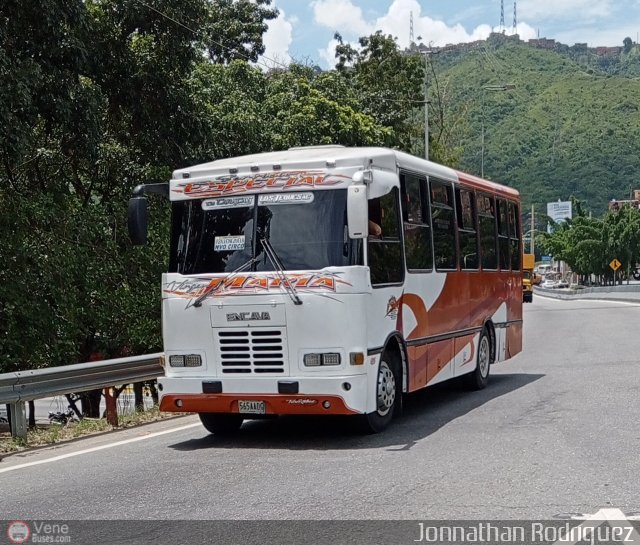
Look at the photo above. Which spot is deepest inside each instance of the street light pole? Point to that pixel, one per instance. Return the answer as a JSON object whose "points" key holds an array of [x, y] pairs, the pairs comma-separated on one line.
{"points": [[506, 87], [532, 230], [426, 54], [426, 107], [482, 138]]}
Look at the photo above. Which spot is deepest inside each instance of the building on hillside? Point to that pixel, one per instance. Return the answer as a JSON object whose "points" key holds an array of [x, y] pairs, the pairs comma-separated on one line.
{"points": [[608, 51], [542, 43], [616, 205]]}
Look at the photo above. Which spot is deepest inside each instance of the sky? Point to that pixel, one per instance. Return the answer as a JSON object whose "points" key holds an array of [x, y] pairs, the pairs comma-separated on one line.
{"points": [[304, 30]]}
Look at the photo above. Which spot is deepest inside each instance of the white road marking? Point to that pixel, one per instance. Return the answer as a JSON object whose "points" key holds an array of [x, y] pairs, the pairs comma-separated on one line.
{"points": [[555, 299], [95, 449], [630, 303]]}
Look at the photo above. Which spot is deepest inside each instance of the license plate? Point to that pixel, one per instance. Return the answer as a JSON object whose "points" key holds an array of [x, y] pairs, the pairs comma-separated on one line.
{"points": [[251, 407]]}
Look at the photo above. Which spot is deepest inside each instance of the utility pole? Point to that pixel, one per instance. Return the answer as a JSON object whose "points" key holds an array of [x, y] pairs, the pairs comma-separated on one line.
{"points": [[533, 230], [426, 54], [426, 105], [426, 102]]}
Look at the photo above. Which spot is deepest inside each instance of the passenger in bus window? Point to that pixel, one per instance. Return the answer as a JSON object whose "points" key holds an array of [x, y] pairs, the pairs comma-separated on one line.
{"points": [[375, 218]]}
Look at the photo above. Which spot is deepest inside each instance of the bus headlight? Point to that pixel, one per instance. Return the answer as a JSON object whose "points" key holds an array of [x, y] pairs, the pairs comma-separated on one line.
{"points": [[188, 360], [327, 358], [331, 358], [176, 361], [193, 360], [312, 360]]}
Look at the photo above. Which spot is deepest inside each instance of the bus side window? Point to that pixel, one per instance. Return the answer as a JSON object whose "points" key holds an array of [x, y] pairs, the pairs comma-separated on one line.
{"points": [[487, 224], [503, 234], [385, 248], [467, 233], [443, 225], [514, 233], [417, 231]]}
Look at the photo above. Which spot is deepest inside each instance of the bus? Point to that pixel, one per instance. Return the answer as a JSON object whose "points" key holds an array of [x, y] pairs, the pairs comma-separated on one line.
{"points": [[331, 280]]}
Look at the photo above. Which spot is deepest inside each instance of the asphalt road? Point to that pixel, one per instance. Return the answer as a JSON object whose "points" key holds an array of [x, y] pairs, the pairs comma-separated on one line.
{"points": [[556, 432]]}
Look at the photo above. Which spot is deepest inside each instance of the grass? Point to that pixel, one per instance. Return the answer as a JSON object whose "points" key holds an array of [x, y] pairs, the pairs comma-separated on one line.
{"points": [[54, 433]]}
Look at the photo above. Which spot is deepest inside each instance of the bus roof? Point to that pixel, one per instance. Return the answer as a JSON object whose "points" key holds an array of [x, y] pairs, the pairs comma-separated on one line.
{"points": [[334, 156]]}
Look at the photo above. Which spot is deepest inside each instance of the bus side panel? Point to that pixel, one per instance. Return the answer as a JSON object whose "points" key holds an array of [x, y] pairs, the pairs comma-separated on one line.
{"points": [[514, 339], [465, 359], [417, 367], [439, 367]]}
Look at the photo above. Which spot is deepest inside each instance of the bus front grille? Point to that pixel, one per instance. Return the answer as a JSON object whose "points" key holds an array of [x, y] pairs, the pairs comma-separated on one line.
{"points": [[250, 351]]}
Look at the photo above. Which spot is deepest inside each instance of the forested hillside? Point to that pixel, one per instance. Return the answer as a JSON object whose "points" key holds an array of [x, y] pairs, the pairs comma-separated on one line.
{"points": [[98, 96], [565, 129]]}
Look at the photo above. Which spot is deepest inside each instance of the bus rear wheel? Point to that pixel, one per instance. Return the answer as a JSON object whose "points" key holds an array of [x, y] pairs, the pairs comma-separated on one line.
{"points": [[221, 423], [387, 395], [478, 379]]}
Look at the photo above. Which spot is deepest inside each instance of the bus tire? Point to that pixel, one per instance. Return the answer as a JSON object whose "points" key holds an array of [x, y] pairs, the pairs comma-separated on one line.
{"points": [[388, 394], [221, 423], [479, 377]]}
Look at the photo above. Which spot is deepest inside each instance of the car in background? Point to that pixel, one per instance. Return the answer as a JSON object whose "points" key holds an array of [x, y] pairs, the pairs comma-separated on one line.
{"points": [[553, 280], [543, 270]]}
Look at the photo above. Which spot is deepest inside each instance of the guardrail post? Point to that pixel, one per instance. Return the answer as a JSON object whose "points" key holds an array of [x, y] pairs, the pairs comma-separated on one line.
{"points": [[112, 409], [19, 420]]}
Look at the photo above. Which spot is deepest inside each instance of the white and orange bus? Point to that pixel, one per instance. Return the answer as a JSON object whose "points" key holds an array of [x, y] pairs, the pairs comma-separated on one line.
{"points": [[331, 280]]}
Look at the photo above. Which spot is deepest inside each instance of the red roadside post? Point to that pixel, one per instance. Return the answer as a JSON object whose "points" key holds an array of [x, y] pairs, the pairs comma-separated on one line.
{"points": [[109, 397], [112, 410]]}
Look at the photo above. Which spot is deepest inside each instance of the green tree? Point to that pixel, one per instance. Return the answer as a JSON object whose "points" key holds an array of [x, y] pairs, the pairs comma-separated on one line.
{"points": [[388, 84], [97, 97]]}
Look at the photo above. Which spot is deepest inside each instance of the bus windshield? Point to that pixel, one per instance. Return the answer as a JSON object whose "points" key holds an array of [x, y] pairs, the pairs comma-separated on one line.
{"points": [[307, 230]]}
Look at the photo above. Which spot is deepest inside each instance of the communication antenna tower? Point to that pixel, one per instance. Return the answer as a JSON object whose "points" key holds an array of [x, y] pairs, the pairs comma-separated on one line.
{"points": [[501, 16], [411, 41], [515, 18]]}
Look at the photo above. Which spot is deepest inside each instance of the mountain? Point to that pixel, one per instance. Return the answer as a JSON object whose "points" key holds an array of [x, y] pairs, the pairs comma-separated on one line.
{"points": [[570, 126]]}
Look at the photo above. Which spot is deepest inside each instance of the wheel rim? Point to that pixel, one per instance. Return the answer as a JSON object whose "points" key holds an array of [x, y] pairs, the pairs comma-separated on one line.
{"points": [[484, 357], [386, 389]]}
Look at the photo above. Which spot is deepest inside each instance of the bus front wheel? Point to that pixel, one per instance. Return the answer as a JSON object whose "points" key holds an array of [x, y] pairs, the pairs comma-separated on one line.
{"points": [[221, 423], [388, 394], [478, 379]]}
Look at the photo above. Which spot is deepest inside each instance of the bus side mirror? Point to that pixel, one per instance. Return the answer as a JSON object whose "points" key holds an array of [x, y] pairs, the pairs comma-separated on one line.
{"points": [[357, 204], [137, 220]]}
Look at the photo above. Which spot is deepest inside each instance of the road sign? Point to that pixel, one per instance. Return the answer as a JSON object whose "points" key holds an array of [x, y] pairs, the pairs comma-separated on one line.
{"points": [[546, 259], [615, 264]]}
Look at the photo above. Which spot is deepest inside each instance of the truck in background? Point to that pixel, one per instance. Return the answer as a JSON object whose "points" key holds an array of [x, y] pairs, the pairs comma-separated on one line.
{"points": [[528, 263]]}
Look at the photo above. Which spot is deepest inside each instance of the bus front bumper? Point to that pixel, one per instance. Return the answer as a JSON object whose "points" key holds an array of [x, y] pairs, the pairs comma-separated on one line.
{"points": [[328, 395]]}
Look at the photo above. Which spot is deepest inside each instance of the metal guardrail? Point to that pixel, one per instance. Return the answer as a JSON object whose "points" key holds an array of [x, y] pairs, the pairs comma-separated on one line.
{"points": [[22, 386], [607, 293]]}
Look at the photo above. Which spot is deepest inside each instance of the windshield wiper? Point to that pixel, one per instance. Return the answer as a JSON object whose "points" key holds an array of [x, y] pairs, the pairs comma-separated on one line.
{"points": [[277, 265], [211, 290]]}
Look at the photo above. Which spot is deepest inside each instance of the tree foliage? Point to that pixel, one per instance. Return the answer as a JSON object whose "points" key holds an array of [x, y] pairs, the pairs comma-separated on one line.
{"points": [[588, 245], [98, 96]]}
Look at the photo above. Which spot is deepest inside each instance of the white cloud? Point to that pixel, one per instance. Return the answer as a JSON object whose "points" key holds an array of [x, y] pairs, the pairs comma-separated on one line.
{"points": [[340, 15], [580, 10], [328, 54], [347, 19], [277, 40]]}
